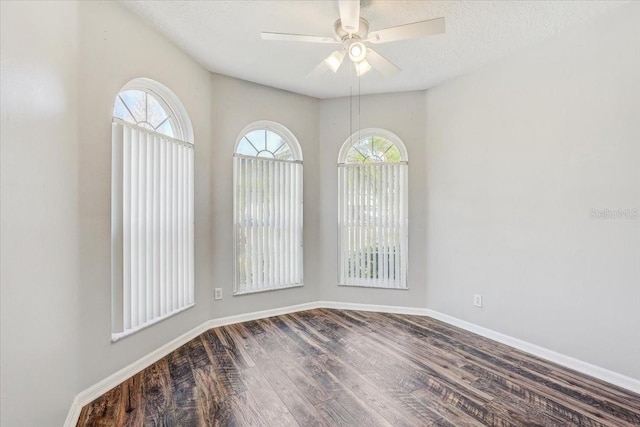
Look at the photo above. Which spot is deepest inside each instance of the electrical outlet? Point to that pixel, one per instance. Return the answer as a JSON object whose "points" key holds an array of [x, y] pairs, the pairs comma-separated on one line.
{"points": [[217, 293], [477, 300]]}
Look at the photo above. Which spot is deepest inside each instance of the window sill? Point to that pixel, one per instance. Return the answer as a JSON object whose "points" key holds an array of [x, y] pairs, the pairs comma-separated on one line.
{"points": [[297, 285], [117, 336], [371, 285]]}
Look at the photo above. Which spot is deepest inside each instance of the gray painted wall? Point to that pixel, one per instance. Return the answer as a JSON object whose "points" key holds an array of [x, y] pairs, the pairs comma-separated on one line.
{"points": [[235, 104], [505, 166], [519, 153], [114, 47], [62, 68], [38, 210], [403, 114], [219, 108]]}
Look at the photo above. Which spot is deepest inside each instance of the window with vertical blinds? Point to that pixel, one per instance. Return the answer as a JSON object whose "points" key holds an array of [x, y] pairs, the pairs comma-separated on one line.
{"points": [[152, 211], [267, 209], [372, 218]]}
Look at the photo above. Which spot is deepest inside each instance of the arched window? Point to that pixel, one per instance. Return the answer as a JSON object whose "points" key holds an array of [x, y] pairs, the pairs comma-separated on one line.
{"points": [[372, 218], [152, 207], [267, 209], [147, 110]]}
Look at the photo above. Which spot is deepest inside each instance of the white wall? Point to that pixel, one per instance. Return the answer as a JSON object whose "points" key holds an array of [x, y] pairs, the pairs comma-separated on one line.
{"points": [[404, 115], [39, 225], [518, 153]]}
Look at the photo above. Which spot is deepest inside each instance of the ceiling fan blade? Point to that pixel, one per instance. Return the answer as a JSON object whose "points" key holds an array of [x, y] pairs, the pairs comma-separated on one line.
{"points": [[381, 63], [409, 31], [319, 70], [298, 38], [350, 15]]}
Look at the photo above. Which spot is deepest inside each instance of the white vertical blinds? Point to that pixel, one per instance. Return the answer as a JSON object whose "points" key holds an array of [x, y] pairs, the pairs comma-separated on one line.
{"points": [[373, 224], [268, 223], [153, 223]]}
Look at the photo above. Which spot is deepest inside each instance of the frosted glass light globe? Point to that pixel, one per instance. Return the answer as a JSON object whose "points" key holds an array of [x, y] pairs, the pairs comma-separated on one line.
{"points": [[357, 52]]}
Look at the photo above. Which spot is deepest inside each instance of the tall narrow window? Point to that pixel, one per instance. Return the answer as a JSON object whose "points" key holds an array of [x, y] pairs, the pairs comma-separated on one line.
{"points": [[267, 209], [372, 218], [152, 207]]}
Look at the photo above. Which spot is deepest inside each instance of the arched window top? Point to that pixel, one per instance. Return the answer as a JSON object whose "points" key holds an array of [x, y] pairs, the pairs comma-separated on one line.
{"points": [[270, 140], [151, 105], [372, 146]]}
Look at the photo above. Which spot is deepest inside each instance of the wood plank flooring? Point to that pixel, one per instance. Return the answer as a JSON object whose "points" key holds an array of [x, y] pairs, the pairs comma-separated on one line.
{"points": [[334, 367]]}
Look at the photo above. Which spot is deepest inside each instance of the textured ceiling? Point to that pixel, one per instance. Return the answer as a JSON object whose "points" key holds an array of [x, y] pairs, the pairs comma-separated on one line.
{"points": [[224, 36]]}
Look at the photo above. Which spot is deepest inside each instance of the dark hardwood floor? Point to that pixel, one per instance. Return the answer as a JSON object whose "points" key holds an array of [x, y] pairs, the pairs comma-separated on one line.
{"points": [[334, 367]]}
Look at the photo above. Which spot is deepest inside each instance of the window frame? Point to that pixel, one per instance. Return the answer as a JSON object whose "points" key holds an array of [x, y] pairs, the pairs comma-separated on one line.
{"points": [[184, 136], [289, 138], [343, 153], [276, 128], [370, 133], [167, 99]]}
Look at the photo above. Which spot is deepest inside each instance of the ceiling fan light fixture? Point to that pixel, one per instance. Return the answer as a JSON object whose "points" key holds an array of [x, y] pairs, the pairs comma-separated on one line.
{"points": [[352, 32], [362, 67], [334, 60], [357, 52]]}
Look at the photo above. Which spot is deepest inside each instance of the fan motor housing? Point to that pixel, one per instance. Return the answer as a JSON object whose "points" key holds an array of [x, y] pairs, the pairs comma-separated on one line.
{"points": [[341, 34]]}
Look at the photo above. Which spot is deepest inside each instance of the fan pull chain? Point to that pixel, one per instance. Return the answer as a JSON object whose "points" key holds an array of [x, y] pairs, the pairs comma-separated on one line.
{"points": [[354, 120], [351, 101]]}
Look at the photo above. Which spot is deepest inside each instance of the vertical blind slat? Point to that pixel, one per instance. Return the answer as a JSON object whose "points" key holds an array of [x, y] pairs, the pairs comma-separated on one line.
{"points": [[185, 228], [133, 219], [155, 227], [375, 226], [191, 243], [365, 224], [126, 225], [404, 225], [278, 221], [285, 229], [259, 222], [354, 227], [148, 165], [142, 181], [245, 221], [360, 223], [370, 227], [265, 223], [180, 230], [174, 228], [299, 221], [246, 166], [396, 223], [160, 227], [380, 228], [253, 219]]}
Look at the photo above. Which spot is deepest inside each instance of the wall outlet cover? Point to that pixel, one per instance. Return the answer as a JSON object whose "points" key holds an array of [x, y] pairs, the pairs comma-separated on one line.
{"points": [[477, 300]]}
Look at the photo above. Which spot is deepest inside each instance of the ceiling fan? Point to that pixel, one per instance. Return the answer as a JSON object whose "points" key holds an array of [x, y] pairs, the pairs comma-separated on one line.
{"points": [[352, 32]]}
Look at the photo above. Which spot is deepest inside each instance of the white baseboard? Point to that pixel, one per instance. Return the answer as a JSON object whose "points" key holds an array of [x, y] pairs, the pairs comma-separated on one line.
{"points": [[95, 391], [595, 371], [87, 396], [603, 374], [416, 311]]}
